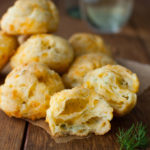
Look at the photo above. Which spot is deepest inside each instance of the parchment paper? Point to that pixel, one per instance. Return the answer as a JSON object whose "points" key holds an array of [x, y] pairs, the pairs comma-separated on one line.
{"points": [[143, 73]]}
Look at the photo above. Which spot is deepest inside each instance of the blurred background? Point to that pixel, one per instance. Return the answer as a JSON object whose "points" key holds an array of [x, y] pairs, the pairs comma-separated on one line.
{"points": [[121, 23], [100, 16]]}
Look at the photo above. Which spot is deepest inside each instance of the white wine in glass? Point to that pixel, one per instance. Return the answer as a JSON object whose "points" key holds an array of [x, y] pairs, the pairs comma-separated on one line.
{"points": [[106, 16]]}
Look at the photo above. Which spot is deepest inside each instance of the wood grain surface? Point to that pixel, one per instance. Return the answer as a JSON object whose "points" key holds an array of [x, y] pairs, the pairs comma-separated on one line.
{"points": [[133, 42]]}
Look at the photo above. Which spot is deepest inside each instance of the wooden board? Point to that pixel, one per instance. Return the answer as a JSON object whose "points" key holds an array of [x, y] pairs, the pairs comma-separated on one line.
{"points": [[141, 22], [132, 43], [11, 132]]}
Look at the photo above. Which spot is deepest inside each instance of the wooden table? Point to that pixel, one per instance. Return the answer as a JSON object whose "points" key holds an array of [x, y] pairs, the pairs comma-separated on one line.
{"points": [[132, 43]]}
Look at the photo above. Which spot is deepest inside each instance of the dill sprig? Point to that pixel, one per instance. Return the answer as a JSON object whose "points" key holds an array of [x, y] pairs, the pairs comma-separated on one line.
{"points": [[134, 138]]}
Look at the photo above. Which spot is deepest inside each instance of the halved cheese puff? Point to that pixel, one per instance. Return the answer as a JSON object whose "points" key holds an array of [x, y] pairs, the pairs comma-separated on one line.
{"points": [[117, 84], [78, 111]]}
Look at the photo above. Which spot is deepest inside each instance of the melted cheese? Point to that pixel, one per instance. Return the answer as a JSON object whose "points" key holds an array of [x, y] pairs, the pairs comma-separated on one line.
{"points": [[117, 84], [78, 111]]}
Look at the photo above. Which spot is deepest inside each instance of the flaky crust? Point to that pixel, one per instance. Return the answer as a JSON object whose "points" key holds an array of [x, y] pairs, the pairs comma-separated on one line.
{"points": [[84, 43], [51, 50], [27, 90], [8, 45], [82, 65], [78, 111], [117, 84], [30, 17]]}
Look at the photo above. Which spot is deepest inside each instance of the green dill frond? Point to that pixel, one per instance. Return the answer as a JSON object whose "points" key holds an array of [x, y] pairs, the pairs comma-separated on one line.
{"points": [[134, 138]]}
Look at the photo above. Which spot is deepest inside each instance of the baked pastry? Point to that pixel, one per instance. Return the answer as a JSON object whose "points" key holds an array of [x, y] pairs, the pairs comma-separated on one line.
{"points": [[84, 43], [22, 38], [51, 50], [30, 17], [27, 90], [117, 84], [8, 45], [78, 111], [82, 65]]}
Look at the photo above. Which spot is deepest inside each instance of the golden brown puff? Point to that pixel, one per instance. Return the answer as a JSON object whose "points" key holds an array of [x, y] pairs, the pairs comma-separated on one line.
{"points": [[51, 50], [117, 84], [78, 111], [82, 65], [84, 43], [27, 90], [30, 17], [8, 45]]}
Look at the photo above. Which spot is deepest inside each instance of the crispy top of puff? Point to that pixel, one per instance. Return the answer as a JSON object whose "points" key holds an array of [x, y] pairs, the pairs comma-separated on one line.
{"points": [[27, 90], [30, 17], [86, 43], [51, 50], [82, 65]]}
